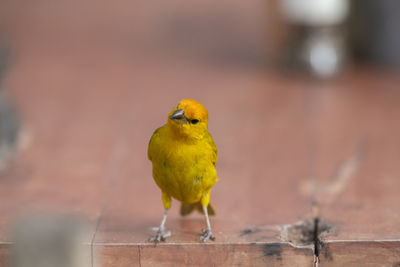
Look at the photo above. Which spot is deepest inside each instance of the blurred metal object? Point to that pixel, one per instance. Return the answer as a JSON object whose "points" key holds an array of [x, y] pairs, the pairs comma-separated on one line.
{"points": [[375, 30], [316, 38], [49, 241], [324, 52], [315, 12]]}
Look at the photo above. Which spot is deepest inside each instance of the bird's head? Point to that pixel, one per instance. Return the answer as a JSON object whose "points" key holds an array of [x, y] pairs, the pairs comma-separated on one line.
{"points": [[189, 119]]}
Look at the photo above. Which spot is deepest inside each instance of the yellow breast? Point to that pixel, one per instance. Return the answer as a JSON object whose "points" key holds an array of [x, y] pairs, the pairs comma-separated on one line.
{"points": [[182, 169]]}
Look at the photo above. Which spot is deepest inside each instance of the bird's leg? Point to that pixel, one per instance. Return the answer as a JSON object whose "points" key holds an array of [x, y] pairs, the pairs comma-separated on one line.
{"points": [[161, 234], [207, 234]]}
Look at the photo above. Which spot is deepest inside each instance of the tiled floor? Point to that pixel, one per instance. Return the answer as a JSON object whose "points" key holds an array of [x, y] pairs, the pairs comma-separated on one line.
{"points": [[290, 148]]}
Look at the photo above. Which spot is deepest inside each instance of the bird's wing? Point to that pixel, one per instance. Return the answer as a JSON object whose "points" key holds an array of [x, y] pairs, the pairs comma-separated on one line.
{"points": [[214, 151], [154, 141]]}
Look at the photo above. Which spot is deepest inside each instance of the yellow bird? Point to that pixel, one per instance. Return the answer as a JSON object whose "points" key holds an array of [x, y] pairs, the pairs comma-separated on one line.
{"points": [[184, 155]]}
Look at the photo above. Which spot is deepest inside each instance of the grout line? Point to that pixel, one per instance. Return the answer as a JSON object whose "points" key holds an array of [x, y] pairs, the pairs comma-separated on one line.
{"points": [[314, 117], [317, 242], [4, 243], [94, 234], [234, 243], [196, 244], [115, 164], [241, 243], [363, 241], [340, 178]]}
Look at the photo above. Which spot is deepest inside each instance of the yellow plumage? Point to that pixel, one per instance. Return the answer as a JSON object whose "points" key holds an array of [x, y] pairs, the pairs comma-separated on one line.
{"points": [[184, 155]]}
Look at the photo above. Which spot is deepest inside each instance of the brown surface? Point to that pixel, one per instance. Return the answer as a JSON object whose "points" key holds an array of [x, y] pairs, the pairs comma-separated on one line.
{"points": [[362, 200], [365, 253], [116, 255], [122, 193], [5, 252], [257, 254], [286, 144]]}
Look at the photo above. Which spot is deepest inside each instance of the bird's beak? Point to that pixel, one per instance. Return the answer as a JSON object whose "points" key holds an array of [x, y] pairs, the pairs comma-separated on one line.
{"points": [[178, 115]]}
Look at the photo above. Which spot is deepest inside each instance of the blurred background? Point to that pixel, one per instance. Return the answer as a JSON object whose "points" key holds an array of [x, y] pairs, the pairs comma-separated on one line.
{"points": [[294, 88]]}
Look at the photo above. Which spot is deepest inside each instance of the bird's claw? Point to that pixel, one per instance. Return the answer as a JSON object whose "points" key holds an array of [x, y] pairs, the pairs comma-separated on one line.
{"points": [[207, 234], [160, 236]]}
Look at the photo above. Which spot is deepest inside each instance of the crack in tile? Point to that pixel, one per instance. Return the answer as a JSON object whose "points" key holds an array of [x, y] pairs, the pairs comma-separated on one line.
{"points": [[328, 191]]}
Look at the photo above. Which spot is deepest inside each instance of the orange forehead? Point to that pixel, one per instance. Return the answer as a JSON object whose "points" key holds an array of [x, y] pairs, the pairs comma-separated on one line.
{"points": [[193, 109]]}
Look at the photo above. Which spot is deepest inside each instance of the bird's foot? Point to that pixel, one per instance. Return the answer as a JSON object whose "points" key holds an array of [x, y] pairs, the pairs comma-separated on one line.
{"points": [[160, 236], [207, 234]]}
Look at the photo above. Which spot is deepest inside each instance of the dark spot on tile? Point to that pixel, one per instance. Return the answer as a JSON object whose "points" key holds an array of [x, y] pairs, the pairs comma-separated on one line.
{"points": [[325, 251], [245, 232], [305, 233], [272, 250], [249, 231]]}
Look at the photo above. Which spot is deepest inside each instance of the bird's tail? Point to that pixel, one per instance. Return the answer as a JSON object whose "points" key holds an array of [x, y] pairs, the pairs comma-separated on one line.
{"points": [[188, 208]]}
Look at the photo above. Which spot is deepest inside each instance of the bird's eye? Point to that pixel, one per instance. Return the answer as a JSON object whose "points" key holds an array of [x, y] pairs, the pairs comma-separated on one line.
{"points": [[194, 121]]}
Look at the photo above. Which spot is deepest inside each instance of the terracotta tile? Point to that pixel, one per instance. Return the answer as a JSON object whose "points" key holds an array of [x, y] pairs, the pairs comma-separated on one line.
{"points": [[271, 142], [367, 253], [116, 255], [64, 165], [252, 167], [364, 206], [355, 181], [275, 254]]}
